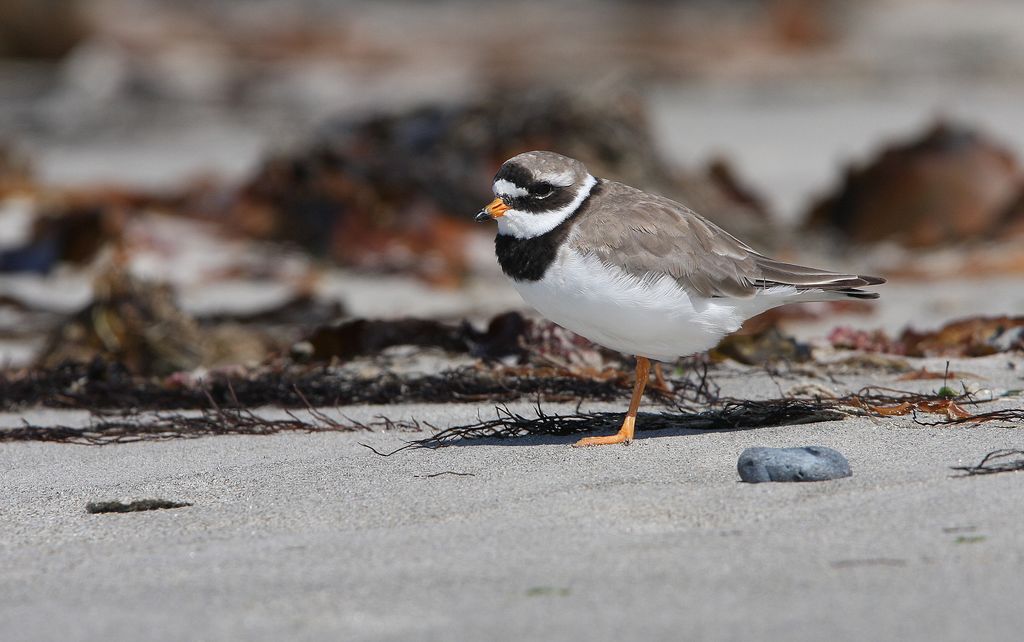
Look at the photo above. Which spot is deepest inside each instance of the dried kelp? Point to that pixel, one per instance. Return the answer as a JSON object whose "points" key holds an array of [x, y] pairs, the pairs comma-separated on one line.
{"points": [[732, 415], [1010, 415], [207, 423], [997, 461], [102, 385], [698, 408], [134, 506], [719, 414]]}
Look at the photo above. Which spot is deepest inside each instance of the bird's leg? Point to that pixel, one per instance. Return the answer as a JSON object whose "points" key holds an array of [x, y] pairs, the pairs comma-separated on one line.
{"points": [[625, 434], [660, 383]]}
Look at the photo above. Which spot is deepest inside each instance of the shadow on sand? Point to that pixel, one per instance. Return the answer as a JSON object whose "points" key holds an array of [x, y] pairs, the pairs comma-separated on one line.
{"points": [[509, 428]]}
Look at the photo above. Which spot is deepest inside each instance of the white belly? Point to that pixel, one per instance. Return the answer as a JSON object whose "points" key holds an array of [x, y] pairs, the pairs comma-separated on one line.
{"points": [[650, 318]]}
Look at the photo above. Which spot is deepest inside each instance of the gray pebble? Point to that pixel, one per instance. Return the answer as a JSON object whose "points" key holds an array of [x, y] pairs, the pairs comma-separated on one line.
{"points": [[807, 463]]}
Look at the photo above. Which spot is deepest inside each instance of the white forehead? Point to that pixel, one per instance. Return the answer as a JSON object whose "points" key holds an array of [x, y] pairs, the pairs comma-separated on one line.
{"points": [[508, 188]]}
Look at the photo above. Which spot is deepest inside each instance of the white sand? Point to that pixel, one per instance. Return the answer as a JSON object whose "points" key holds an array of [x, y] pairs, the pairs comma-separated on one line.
{"points": [[311, 536]]}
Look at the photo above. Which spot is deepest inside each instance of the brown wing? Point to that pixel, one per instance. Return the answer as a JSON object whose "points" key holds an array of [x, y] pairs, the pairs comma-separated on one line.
{"points": [[644, 234]]}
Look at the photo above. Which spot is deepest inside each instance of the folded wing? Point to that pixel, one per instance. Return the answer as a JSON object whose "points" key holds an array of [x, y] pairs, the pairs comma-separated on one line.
{"points": [[646, 235]]}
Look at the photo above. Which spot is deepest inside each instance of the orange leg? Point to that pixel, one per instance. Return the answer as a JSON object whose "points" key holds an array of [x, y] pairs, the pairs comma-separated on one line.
{"points": [[625, 434], [660, 383]]}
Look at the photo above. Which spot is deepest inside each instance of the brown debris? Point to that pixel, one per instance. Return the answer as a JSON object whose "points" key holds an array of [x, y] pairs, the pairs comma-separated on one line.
{"points": [[346, 340], [947, 407], [507, 336], [763, 347], [872, 361], [40, 30], [131, 322], [972, 337], [847, 338], [950, 185]]}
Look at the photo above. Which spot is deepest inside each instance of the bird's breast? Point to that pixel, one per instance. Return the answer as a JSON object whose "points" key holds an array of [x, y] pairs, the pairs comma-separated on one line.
{"points": [[652, 317]]}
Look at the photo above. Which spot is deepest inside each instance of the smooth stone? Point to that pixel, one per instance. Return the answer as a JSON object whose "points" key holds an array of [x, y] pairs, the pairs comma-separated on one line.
{"points": [[806, 463]]}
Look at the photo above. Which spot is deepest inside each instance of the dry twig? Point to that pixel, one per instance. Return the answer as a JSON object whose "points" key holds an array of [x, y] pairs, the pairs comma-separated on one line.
{"points": [[997, 461]]}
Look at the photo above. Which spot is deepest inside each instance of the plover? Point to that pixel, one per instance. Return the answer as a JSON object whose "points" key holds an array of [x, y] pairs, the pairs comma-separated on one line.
{"points": [[633, 271]]}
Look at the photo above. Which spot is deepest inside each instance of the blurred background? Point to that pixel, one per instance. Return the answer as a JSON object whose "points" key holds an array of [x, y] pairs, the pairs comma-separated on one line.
{"points": [[190, 183]]}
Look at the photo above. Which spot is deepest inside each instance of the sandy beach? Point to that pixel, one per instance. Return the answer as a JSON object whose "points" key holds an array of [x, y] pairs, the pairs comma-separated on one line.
{"points": [[313, 536]]}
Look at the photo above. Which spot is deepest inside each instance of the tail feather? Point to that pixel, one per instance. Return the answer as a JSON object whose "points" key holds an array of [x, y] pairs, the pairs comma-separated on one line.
{"points": [[807, 279]]}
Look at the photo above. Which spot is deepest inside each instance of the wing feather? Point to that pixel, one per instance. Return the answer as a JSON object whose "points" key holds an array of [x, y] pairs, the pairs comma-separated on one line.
{"points": [[646, 235]]}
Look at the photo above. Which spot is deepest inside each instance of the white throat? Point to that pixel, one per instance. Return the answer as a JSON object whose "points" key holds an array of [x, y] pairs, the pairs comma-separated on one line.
{"points": [[526, 225]]}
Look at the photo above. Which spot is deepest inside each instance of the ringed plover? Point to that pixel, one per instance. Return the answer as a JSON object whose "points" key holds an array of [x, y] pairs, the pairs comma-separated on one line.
{"points": [[633, 271]]}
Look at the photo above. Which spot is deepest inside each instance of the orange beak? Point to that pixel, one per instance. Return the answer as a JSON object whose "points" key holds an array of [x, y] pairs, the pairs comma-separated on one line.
{"points": [[494, 209]]}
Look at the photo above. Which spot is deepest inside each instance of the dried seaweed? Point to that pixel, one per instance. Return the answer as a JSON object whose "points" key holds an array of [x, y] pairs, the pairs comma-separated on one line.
{"points": [[210, 422], [733, 415], [224, 400], [133, 507], [997, 461], [105, 385], [1009, 415], [720, 414]]}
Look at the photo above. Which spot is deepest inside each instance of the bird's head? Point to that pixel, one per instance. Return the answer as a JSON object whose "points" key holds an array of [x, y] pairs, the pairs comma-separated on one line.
{"points": [[535, 191]]}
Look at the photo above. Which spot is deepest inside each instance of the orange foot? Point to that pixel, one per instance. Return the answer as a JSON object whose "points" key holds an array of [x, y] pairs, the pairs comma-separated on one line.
{"points": [[624, 436], [617, 438]]}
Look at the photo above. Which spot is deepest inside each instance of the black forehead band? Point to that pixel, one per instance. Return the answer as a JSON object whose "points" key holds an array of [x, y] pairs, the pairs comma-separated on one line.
{"points": [[515, 174]]}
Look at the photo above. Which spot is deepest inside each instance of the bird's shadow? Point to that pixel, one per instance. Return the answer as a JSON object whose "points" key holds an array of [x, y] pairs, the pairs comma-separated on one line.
{"points": [[512, 429]]}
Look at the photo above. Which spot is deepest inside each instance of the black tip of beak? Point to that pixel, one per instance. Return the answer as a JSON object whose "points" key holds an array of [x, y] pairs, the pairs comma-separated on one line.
{"points": [[482, 216]]}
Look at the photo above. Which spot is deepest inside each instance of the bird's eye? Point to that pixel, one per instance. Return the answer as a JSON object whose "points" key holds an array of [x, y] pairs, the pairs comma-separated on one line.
{"points": [[543, 191]]}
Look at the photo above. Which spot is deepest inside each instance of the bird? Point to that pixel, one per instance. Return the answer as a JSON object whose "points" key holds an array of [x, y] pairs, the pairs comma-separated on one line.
{"points": [[633, 271]]}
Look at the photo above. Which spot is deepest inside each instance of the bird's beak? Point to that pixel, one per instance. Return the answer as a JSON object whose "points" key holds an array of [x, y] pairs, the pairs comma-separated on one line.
{"points": [[494, 209]]}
